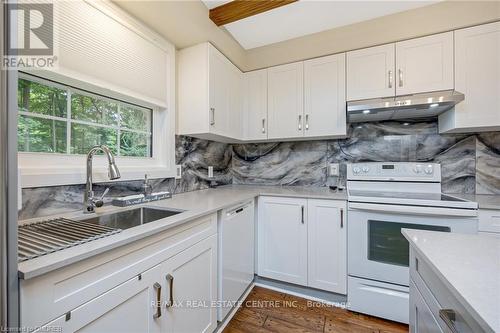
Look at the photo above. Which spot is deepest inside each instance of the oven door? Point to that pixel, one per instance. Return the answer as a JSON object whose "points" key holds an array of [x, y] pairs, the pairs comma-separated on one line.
{"points": [[376, 248]]}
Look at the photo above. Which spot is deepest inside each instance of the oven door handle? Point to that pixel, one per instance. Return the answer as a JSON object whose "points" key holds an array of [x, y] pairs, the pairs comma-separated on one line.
{"points": [[412, 210]]}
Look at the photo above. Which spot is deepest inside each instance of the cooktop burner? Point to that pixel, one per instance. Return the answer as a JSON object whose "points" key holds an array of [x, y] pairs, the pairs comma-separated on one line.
{"points": [[405, 195]]}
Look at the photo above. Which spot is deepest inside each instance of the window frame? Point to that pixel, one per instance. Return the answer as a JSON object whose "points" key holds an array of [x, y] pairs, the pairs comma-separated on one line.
{"points": [[68, 120], [47, 169], [51, 169]]}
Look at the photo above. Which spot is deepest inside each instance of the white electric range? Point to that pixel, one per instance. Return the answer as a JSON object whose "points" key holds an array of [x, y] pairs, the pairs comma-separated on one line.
{"points": [[384, 198]]}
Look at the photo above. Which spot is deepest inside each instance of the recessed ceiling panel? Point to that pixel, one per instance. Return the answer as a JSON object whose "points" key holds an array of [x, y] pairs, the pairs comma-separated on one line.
{"points": [[307, 17]]}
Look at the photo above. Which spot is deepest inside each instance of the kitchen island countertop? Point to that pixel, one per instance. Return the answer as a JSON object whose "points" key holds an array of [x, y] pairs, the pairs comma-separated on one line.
{"points": [[469, 266]]}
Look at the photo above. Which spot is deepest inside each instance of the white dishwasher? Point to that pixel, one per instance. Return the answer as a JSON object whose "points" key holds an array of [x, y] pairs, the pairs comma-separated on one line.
{"points": [[236, 254]]}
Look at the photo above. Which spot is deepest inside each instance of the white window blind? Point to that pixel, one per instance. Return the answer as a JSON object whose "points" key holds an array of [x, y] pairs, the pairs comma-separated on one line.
{"points": [[96, 49]]}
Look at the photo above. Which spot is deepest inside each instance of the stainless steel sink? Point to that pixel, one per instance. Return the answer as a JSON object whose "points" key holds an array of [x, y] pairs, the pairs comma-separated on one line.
{"points": [[132, 217]]}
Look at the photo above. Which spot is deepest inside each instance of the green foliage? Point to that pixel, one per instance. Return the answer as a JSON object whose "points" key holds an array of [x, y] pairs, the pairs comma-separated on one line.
{"points": [[37, 98], [37, 134]]}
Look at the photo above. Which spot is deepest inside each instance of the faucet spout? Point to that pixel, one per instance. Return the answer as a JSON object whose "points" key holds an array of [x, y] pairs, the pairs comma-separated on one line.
{"points": [[89, 201]]}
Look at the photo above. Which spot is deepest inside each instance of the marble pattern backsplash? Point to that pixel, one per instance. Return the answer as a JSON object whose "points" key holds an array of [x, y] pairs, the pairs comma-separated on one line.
{"points": [[470, 163]]}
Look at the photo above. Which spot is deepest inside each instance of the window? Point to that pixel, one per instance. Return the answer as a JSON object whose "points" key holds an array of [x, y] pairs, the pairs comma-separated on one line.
{"points": [[54, 118]]}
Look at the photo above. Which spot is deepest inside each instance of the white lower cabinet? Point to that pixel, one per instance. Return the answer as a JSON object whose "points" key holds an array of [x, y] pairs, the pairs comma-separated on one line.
{"points": [[128, 307], [163, 283], [190, 280], [421, 318], [303, 241], [327, 245], [282, 239]]}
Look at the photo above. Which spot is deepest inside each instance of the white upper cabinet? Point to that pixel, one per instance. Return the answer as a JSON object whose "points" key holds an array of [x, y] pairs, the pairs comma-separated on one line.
{"points": [[371, 72], [285, 101], [324, 96], [409, 67], [218, 88], [254, 119], [209, 96], [424, 64], [233, 86], [477, 76]]}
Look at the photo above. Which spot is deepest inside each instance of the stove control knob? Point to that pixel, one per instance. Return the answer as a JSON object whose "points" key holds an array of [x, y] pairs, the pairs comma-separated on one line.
{"points": [[417, 168], [366, 169], [356, 169], [428, 169]]}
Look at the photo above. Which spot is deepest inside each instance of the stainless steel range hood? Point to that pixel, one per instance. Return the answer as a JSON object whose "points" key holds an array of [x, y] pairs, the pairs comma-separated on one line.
{"points": [[403, 107]]}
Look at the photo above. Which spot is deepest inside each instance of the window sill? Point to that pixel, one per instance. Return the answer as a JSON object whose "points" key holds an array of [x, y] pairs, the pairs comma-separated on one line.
{"points": [[41, 177]]}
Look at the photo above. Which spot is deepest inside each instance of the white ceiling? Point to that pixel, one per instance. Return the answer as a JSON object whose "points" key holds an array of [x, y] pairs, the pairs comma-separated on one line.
{"points": [[307, 17]]}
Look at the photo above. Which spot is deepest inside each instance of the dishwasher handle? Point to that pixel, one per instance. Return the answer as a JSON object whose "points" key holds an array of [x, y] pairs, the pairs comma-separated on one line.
{"points": [[238, 210]]}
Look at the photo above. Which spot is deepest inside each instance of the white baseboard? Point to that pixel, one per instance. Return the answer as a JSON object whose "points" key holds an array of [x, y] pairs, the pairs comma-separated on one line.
{"points": [[293, 293]]}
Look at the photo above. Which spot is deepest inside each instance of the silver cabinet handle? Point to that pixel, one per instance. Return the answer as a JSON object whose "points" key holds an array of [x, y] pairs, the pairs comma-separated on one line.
{"points": [[400, 71], [157, 287], [170, 281], [263, 125], [307, 122], [341, 218], [212, 116], [302, 212], [390, 79], [448, 316], [300, 122]]}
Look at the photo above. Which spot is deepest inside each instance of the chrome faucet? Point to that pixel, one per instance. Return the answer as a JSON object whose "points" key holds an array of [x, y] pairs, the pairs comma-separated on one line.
{"points": [[89, 202]]}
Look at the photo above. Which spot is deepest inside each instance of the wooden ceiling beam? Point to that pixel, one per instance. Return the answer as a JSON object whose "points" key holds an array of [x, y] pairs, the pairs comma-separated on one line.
{"points": [[240, 9]]}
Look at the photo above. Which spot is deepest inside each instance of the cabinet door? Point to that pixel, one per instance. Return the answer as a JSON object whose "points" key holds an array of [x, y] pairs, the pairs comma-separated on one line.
{"points": [[425, 64], [370, 73], [327, 245], [421, 318], [255, 105], [477, 76], [324, 97], [219, 97], [285, 101], [190, 280], [129, 307], [234, 113], [282, 240]]}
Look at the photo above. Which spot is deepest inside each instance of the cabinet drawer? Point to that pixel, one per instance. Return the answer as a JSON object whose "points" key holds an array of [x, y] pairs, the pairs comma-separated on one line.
{"points": [[438, 297], [49, 296], [489, 220], [374, 297], [128, 307]]}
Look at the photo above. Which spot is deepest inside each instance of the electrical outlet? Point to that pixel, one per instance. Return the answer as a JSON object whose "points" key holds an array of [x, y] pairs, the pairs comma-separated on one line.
{"points": [[178, 171], [334, 169], [210, 172]]}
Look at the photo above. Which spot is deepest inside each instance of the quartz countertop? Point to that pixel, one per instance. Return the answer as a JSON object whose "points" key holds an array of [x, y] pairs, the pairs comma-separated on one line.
{"points": [[469, 265], [484, 201], [192, 204]]}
